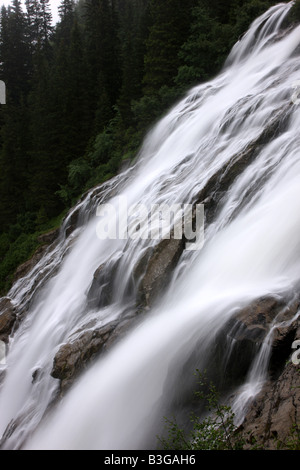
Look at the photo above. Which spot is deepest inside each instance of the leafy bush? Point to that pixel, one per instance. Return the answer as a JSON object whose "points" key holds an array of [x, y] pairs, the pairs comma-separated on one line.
{"points": [[18, 252], [211, 433], [20, 243], [79, 173], [103, 148]]}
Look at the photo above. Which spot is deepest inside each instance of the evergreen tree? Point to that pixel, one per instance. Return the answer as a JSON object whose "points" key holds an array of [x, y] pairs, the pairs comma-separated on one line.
{"points": [[13, 163], [16, 63], [42, 156], [61, 118], [33, 19], [16, 71], [66, 10], [46, 21], [168, 31], [64, 27], [102, 54], [39, 18], [77, 106], [206, 48], [133, 34], [215, 27]]}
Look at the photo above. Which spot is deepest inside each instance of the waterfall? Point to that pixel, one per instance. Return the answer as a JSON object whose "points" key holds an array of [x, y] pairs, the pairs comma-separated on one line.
{"points": [[237, 134]]}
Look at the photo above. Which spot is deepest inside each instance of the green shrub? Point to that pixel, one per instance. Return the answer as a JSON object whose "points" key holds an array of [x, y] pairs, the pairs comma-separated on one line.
{"points": [[214, 432], [18, 252], [103, 148], [79, 173], [20, 243]]}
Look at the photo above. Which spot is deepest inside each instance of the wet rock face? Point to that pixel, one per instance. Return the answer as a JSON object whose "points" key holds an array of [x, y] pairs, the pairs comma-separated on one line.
{"points": [[26, 267], [72, 357], [159, 267], [276, 409], [274, 413], [101, 291], [283, 338], [49, 237], [75, 356], [7, 318], [45, 240], [252, 323], [242, 336], [72, 222], [150, 275], [216, 188]]}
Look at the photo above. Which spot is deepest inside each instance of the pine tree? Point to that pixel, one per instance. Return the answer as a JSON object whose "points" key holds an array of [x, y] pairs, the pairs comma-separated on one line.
{"points": [[61, 120], [16, 71], [39, 18], [13, 163], [170, 22], [16, 63], [79, 115], [66, 10], [66, 13], [202, 50], [42, 156], [133, 34], [102, 54], [33, 19], [46, 21]]}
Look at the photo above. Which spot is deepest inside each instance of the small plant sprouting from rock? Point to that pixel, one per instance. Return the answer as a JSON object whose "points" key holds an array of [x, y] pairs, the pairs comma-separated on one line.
{"points": [[293, 440], [215, 432]]}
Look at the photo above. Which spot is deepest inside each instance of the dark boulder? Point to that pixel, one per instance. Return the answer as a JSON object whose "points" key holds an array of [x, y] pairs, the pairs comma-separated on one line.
{"points": [[273, 419], [101, 290], [241, 338], [78, 354], [158, 269], [74, 356]]}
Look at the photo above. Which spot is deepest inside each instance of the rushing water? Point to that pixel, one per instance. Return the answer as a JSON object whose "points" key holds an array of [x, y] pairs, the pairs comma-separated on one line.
{"points": [[252, 248]]}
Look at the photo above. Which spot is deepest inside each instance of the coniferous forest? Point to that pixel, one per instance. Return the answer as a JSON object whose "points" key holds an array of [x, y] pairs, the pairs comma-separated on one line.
{"points": [[81, 95]]}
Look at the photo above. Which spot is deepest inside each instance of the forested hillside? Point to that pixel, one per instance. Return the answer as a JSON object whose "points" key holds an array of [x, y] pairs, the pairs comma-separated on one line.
{"points": [[82, 94]]}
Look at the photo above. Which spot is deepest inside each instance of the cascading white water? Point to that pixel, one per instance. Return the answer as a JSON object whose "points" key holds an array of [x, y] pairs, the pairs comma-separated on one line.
{"points": [[252, 249]]}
